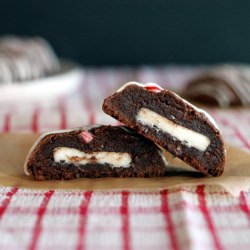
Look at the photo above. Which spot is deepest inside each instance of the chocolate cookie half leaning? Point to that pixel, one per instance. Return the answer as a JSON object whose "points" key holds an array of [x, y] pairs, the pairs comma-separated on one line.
{"points": [[98, 151], [171, 122]]}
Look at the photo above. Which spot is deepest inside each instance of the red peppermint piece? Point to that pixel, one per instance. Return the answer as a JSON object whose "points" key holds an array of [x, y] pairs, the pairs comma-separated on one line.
{"points": [[153, 88], [86, 136]]}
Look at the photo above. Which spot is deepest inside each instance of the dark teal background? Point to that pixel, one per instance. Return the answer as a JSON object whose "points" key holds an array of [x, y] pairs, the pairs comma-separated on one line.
{"points": [[135, 32]]}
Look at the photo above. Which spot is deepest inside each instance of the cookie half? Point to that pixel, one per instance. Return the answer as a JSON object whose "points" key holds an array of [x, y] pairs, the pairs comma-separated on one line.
{"points": [[99, 151], [171, 122]]}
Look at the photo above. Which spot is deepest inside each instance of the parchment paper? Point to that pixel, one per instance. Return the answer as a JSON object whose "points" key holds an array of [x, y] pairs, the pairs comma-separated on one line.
{"points": [[14, 147]]}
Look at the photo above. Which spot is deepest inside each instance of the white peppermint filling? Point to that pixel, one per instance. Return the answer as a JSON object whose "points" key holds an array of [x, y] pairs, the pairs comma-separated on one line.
{"points": [[77, 157], [186, 136]]}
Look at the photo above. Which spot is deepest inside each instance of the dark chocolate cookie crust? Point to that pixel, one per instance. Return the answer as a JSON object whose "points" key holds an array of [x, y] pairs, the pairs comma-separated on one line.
{"points": [[125, 105], [146, 159]]}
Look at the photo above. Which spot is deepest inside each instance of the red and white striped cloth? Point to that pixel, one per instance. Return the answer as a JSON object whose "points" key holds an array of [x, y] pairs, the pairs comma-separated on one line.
{"points": [[198, 217]]}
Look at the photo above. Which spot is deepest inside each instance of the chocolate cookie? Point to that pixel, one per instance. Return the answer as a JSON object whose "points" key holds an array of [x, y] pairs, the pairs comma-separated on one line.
{"points": [[171, 122], [224, 86], [100, 151], [23, 59]]}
